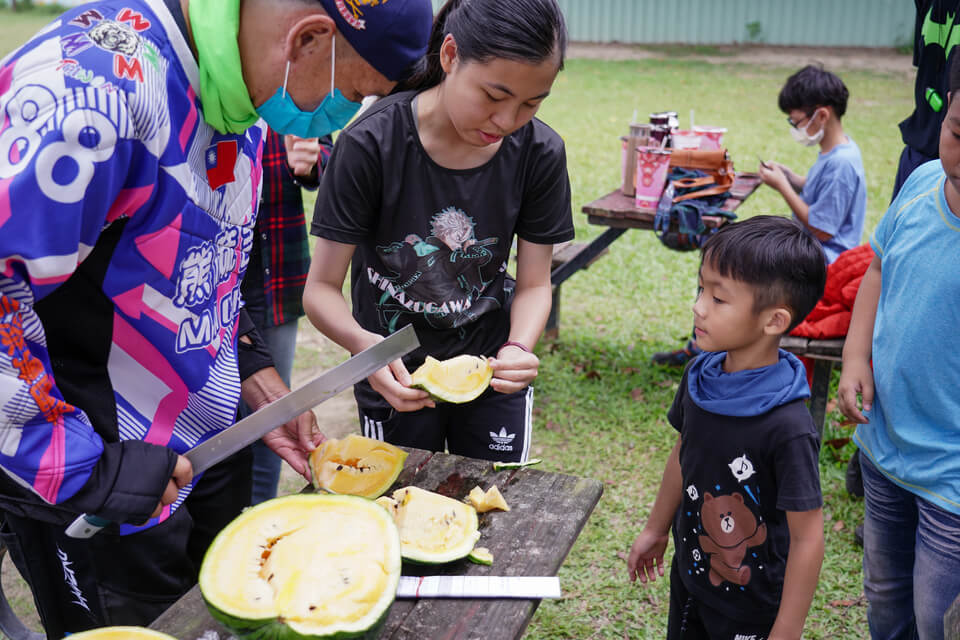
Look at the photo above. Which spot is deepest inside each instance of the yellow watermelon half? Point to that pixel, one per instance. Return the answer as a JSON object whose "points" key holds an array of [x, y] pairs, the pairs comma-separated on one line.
{"points": [[356, 466], [304, 567], [459, 379], [434, 529]]}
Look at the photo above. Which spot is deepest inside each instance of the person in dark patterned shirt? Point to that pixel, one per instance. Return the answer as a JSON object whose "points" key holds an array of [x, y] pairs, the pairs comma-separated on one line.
{"points": [[279, 260]]}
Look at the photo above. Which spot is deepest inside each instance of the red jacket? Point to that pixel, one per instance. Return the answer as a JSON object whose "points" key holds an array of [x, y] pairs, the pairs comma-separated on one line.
{"points": [[831, 317]]}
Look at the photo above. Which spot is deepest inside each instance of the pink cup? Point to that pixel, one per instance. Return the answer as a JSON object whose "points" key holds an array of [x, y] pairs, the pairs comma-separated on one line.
{"points": [[653, 164], [683, 139], [710, 137]]}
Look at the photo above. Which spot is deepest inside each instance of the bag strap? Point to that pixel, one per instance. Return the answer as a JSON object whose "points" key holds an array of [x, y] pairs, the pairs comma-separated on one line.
{"points": [[711, 191], [689, 183]]}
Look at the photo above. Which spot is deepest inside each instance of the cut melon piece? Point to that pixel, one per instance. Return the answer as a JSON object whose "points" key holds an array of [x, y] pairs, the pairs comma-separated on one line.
{"points": [[459, 379], [433, 528], [305, 566], [500, 466], [356, 466], [121, 633], [488, 500], [480, 555]]}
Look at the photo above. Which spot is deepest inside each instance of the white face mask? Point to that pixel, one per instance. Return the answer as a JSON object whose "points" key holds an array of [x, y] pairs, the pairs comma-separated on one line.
{"points": [[801, 135]]}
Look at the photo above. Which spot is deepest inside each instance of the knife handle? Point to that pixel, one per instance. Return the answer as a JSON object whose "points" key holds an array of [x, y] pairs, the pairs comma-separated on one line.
{"points": [[86, 526]]}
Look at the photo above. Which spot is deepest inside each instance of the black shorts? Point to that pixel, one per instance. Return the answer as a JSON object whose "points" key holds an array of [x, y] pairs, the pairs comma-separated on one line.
{"points": [[495, 426], [690, 619]]}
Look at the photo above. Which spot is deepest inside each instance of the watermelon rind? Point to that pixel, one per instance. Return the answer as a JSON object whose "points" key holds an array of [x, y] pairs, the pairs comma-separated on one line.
{"points": [[480, 555], [501, 466], [317, 508], [273, 629]]}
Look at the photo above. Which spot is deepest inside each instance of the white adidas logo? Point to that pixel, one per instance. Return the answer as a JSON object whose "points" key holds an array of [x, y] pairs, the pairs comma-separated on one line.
{"points": [[502, 440]]}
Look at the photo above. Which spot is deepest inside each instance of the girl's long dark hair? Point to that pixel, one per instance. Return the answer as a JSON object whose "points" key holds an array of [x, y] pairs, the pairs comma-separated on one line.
{"points": [[528, 31]]}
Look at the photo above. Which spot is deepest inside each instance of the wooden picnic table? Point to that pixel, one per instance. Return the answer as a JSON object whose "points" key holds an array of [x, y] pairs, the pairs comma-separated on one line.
{"points": [[547, 512], [620, 213], [825, 355]]}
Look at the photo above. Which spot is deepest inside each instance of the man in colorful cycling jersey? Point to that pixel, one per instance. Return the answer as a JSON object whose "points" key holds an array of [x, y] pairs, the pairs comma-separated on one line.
{"points": [[130, 142]]}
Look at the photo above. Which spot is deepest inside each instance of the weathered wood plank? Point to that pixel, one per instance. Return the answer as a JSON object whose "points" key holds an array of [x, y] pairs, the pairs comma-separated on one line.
{"points": [[548, 511]]}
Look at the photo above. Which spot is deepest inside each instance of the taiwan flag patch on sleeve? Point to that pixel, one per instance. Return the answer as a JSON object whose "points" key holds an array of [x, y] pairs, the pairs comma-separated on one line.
{"points": [[221, 159]]}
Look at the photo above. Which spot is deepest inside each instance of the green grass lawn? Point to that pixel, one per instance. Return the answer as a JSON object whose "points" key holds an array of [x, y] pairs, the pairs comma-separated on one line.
{"points": [[17, 26], [600, 404]]}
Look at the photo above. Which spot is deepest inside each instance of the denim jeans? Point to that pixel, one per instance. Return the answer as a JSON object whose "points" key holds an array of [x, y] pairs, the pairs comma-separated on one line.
{"points": [[911, 560], [282, 342]]}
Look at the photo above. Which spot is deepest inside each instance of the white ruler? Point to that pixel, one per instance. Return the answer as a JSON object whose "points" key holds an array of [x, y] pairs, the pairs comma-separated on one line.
{"points": [[526, 587]]}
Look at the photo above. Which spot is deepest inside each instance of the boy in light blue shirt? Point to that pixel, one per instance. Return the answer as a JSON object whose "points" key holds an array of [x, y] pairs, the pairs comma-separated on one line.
{"points": [[905, 322], [831, 200]]}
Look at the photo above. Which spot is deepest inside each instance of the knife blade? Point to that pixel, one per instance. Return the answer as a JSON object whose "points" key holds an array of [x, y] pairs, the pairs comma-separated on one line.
{"points": [[524, 587], [279, 412]]}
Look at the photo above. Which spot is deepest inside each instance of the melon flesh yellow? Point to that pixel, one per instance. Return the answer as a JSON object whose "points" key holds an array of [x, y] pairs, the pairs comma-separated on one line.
{"points": [[303, 567], [488, 500], [121, 633], [356, 465], [459, 379], [433, 528]]}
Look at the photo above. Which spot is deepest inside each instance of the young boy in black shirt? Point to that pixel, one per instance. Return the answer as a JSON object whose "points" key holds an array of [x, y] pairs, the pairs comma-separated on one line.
{"points": [[741, 487]]}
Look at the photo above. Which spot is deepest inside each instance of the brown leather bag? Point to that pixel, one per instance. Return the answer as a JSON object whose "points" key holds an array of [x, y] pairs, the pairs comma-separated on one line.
{"points": [[715, 162]]}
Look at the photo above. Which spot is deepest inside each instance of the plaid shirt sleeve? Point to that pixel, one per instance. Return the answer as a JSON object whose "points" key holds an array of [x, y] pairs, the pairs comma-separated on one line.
{"points": [[281, 233]]}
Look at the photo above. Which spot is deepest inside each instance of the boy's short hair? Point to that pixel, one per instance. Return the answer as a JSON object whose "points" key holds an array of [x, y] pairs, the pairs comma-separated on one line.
{"points": [[776, 257], [813, 87]]}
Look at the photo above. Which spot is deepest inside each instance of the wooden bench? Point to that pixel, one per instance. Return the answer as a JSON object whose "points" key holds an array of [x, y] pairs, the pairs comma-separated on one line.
{"points": [[824, 353], [547, 512], [620, 213]]}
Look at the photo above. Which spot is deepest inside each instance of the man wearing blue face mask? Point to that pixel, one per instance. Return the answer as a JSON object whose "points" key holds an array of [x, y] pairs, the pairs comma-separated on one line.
{"points": [[831, 200], [130, 142]]}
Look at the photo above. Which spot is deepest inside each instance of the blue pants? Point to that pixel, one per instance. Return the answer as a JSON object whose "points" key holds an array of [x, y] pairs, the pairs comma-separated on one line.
{"points": [[911, 560], [282, 342]]}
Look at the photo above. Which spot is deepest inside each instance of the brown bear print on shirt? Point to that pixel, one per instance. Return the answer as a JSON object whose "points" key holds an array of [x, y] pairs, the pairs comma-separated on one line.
{"points": [[730, 528]]}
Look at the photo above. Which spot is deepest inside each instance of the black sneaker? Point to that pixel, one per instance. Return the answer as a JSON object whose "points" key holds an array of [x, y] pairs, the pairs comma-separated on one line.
{"points": [[678, 358]]}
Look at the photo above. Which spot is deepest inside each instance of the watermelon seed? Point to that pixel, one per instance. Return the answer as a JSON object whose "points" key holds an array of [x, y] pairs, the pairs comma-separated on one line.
{"points": [[312, 607]]}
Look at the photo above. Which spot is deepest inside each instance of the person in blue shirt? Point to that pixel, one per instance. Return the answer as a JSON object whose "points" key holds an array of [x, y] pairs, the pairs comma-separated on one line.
{"points": [[901, 371], [831, 200]]}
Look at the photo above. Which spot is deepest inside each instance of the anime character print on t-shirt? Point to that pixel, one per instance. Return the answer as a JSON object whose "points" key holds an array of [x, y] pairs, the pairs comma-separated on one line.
{"points": [[441, 278], [728, 528]]}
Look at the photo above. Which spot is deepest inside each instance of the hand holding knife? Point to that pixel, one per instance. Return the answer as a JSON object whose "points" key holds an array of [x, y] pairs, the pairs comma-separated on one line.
{"points": [[279, 412]]}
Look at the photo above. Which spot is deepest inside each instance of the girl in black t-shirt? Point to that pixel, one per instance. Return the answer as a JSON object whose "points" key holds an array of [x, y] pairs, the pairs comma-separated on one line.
{"points": [[424, 194]]}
